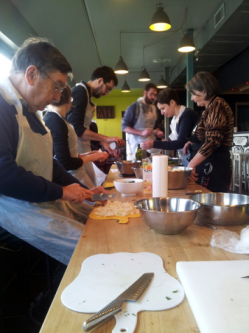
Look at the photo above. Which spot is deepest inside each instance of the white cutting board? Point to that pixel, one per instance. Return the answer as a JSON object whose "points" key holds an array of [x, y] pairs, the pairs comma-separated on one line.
{"points": [[103, 277], [218, 297]]}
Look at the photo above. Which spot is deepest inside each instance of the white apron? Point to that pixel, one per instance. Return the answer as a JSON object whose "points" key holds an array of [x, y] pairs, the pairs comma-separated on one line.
{"points": [[52, 227], [174, 136], [80, 173], [93, 176], [145, 120]]}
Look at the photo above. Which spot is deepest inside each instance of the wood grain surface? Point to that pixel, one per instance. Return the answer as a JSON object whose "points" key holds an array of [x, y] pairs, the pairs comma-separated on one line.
{"points": [[108, 236]]}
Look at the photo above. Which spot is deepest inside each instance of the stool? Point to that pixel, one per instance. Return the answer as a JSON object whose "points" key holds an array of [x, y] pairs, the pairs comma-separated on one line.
{"points": [[240, 171]]}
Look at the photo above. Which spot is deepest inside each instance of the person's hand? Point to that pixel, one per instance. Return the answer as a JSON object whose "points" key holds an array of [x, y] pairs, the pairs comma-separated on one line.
{"points": [[120, 142], [89, 153], [147, 144], [75, 193], [147, 132], [159, 134], [185, 148], [99, 189], [107, 147], [193, 176], [100, 156], [95, 156]]}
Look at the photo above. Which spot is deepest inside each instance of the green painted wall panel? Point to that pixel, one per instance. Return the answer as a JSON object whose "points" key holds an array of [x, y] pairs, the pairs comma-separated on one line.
{"points": [[120, 101]]}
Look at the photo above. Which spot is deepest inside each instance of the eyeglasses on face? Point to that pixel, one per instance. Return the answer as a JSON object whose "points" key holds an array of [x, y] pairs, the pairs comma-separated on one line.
{"points": [[56, 88], [108, 89]]}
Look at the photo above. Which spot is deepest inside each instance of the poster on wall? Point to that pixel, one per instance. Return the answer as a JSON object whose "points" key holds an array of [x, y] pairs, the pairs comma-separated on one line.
{"points": [[105, 112]]}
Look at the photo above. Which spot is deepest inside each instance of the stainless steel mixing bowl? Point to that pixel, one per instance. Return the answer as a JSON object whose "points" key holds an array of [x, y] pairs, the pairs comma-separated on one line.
{"points": [[168, 216], [138, 172], [178, 177], [222, 208], [125, 167]]}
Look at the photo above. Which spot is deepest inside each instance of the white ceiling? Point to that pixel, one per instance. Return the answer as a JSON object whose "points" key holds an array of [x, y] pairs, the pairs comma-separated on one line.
{"points": [[88, 33]]}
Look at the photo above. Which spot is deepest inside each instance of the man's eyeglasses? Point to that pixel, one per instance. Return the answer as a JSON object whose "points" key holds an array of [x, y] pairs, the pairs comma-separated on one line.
{"points": [[108, 89], [56, 88]]}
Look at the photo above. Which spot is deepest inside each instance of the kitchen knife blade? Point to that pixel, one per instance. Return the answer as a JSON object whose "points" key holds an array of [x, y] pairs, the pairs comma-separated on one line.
{"points": [[130, 294], [101, 196]]}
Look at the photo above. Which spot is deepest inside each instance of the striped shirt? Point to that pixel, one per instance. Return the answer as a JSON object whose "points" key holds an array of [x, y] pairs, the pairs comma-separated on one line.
{"points": [[215, 127]]}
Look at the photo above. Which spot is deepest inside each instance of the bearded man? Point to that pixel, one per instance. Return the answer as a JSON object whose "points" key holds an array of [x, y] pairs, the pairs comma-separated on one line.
{"points": [[103, 80], [140, 120]]}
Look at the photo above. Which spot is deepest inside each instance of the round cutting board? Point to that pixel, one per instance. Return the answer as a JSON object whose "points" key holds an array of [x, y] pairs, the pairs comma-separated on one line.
{"points": [[103, 277]]}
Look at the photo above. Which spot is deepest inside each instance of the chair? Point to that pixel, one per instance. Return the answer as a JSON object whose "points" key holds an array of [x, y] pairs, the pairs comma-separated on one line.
{"points": [[240, 171]]}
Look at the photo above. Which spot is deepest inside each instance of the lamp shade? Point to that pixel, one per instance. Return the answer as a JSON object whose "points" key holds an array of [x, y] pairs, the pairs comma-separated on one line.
{"points": [[161, 83], [121, 67], [144, 75], [186, 44], [160, 20], [125, 88]]}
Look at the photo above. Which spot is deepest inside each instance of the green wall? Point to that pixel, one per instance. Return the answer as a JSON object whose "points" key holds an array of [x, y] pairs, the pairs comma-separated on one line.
{"points": [[120, 101]]}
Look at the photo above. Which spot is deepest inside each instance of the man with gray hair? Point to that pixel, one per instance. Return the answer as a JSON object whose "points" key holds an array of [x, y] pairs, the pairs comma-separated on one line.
{"points": [[37, 195]]}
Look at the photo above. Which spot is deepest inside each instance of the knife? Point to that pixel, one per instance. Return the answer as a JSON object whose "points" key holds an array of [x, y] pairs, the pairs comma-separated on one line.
{"points": [[100, 196], [130, 294]]}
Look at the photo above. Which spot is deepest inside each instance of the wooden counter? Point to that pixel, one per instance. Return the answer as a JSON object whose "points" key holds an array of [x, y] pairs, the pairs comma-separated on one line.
{"points": [[108, 236]]}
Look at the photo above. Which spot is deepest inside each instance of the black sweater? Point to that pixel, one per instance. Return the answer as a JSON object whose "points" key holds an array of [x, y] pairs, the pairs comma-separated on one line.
{"points": [[184, 128], [59, 132]]}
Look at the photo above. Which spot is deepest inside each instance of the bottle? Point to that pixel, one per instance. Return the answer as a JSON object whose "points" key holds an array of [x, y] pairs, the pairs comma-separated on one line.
{"points": [[139, 153]]}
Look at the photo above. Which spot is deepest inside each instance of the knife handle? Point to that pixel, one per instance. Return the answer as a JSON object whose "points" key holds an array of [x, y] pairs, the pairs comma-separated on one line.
{"points": [[103, 315]]}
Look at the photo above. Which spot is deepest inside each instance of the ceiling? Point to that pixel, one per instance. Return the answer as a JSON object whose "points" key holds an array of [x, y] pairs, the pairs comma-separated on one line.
{"points": [[88, 32]]}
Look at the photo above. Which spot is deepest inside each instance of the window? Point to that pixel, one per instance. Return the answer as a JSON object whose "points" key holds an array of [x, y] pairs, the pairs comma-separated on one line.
{"points": [[5, 65]]}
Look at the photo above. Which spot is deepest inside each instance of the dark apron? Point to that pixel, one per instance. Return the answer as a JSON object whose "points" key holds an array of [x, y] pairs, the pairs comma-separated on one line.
{"points": [[214, 172]]}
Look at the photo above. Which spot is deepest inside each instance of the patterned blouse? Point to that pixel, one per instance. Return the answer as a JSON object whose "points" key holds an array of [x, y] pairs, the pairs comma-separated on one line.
{"points": [[215, 127]]}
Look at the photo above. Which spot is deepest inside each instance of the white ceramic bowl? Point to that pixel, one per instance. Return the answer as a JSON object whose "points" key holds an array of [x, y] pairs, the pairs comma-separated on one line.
{"points": [[128, 186]]}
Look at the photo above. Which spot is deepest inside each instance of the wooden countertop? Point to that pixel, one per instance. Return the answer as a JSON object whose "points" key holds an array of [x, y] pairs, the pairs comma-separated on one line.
{"points": [[108, 236]]}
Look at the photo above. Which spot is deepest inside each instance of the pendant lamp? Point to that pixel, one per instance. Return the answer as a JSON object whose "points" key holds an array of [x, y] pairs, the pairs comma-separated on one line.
{"points": [[121, 67], [186, 44], [144, 75], [125, 88], [160, 20], [161, 83]]}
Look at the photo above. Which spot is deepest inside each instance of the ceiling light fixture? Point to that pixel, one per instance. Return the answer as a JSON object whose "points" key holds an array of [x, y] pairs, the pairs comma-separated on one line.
{"points": [[186, 44], [160, 20], [144, 75], [161, 83], [121, 67], [125, 88]]}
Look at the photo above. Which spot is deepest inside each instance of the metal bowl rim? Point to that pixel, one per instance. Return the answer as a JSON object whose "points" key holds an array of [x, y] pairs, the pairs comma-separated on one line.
{"points": [[178, 167], [146, 210], [215, 205]]}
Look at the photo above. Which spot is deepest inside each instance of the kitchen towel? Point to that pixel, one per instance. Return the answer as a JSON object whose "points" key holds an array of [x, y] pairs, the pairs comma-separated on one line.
{"points": [[159, 176]]}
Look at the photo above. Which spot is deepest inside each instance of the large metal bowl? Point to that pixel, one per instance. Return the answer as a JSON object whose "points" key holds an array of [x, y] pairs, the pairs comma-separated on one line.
{"points": [[178, 177], [168, 216], [125, 167], [174, 161], [223, 208]]}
